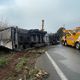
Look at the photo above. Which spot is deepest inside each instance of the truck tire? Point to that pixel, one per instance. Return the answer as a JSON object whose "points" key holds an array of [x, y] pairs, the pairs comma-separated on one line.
{"points": [[77, 46], [62, 42], [65, 43]]}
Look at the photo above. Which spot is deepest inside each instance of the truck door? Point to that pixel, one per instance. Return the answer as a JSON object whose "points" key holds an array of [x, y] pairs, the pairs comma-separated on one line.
{"points": [[72, 40], [69, 38]]}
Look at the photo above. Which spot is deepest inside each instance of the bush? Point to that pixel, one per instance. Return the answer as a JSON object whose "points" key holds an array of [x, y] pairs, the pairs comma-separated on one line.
{"points": [[3, 62], [21, 63]]}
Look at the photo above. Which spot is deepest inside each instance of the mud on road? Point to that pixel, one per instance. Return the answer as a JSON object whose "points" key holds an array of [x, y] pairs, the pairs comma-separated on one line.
{"points": [[19, 63]]}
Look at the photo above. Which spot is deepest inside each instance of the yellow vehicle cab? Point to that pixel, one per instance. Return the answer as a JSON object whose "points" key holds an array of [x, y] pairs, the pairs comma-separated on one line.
{"points": [[71, 37]]}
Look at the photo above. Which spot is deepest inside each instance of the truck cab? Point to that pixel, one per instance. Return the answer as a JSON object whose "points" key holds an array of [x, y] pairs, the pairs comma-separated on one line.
{"points": [[72, 38]]}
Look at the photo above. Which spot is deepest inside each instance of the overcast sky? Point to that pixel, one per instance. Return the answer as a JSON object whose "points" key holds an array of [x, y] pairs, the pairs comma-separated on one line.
{"points": [[29, 13]]}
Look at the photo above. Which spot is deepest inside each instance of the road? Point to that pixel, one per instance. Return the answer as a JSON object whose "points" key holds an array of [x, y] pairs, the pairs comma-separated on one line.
{"points": [[67, 60]]}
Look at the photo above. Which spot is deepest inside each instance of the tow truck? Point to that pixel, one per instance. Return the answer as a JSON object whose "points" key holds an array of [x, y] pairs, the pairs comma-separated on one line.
{"points": [[71, 38]]}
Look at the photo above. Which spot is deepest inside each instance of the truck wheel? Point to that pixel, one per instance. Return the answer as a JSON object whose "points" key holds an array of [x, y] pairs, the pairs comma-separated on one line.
{"points": [[62, 42], [77, 45], [65, 43]]}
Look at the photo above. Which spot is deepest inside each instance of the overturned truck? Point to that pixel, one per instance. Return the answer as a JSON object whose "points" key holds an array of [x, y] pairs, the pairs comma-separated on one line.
{"points": [[15, 38]]}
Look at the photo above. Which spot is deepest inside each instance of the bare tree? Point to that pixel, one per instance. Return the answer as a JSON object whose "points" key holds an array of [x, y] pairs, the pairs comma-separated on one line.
{"points": [[3, 24]]}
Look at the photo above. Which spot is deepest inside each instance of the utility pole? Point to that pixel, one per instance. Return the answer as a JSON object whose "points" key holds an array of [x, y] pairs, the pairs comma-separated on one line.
{"points": [[42, 25]]}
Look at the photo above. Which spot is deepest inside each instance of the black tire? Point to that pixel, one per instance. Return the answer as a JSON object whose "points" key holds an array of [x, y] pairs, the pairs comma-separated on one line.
{"points": [[77, 46], [65, 43], [62, 43]]}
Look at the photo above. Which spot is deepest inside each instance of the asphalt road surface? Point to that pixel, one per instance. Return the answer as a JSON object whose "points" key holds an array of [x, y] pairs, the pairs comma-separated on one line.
{"points": [[61, 62]]}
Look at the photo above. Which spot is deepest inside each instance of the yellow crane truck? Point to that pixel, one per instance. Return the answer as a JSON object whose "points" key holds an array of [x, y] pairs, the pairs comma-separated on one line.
{"points": [[71, 37]]}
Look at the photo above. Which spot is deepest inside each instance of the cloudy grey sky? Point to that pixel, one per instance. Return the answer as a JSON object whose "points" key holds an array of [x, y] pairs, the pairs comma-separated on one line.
{"points": [[29, 13]]}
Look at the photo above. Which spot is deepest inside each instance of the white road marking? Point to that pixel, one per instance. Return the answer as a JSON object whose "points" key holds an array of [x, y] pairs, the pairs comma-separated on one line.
{"points": [[58, 70]]}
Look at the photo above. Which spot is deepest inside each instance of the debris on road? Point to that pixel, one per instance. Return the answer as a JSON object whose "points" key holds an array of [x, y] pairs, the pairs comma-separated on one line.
{"points": [[41, 75]]}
